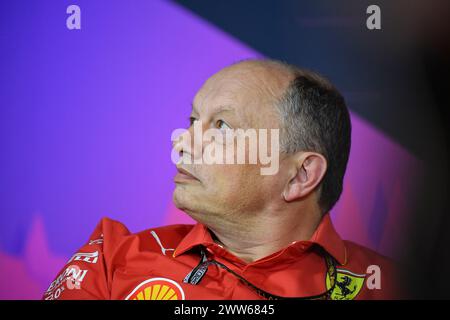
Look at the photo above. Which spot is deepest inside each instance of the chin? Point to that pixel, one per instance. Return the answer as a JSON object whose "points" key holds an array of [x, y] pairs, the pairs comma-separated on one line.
{"points": [[182, 198], [177, 199], [187, 202]]}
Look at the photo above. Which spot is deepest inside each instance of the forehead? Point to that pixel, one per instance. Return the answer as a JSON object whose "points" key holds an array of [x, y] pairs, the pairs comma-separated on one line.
{"points": [[249, 94]]}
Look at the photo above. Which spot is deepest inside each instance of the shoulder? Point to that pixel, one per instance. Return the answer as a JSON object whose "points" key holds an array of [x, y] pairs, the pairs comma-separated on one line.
{"points": [[89, 272], [380, 272], [112, 234], [363, 255]]}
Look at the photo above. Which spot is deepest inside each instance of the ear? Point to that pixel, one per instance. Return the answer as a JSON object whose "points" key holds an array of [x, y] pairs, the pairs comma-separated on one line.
{"points": [[310, 168]]}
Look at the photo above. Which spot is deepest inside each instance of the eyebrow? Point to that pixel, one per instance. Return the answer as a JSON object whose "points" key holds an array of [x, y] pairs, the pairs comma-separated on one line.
{"points": [[220, 109]]}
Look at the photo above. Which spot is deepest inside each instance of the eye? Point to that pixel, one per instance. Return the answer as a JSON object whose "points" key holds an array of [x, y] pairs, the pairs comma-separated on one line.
{"points": [[222, 125], [192, 120]]}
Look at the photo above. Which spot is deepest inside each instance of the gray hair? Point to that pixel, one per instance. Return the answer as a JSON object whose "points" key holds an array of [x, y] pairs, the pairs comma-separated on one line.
{"points": [[314, 117]]}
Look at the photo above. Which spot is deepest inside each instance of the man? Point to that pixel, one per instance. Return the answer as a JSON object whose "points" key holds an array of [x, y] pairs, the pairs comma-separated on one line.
{"points": [[258, 236]]}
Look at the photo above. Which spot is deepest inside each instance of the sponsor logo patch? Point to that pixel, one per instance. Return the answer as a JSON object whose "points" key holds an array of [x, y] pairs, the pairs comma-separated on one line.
{"points": [[157, 289], [348, 285], [89, 257], [70, 279]]}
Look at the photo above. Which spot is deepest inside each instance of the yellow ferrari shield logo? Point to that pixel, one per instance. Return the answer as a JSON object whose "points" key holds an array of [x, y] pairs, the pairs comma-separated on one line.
{"points": [[348, 285]]}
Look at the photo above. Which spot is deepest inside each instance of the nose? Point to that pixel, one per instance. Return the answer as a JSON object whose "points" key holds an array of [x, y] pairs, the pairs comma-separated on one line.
{"points": [[182, 145], [187, 146]]}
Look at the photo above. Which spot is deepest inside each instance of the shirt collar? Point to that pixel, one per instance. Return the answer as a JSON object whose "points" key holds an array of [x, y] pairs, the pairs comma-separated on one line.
{"points": [[324, 236]]}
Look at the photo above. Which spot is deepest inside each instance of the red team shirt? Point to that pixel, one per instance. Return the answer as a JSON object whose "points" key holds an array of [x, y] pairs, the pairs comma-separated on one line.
{"points": [[153, 264]]}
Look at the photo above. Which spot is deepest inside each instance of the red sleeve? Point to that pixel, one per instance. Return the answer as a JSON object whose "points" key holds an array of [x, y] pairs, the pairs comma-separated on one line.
{"points": [[85, 275]]}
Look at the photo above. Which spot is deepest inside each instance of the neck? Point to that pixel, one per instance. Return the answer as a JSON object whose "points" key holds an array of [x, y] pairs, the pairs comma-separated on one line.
{"points": [[254, 239]]}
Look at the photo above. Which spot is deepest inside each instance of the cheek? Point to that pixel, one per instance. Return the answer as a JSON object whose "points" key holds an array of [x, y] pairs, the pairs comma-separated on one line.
{"points": [[232, 182], [218, 177]]}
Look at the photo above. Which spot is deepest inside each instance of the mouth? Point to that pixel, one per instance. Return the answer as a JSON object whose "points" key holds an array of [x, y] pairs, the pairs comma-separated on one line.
{"points": [[184, 176]]}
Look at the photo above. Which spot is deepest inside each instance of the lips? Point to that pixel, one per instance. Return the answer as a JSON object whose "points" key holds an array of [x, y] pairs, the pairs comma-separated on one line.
{"points": [[184, 175]]}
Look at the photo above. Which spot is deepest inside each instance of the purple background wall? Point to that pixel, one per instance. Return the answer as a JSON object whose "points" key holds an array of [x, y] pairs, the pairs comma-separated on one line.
{"points": [[86, 117]]}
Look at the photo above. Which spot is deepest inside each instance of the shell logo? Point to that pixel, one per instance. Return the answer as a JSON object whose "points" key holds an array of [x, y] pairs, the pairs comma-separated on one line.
{"points": [[157, 289]]}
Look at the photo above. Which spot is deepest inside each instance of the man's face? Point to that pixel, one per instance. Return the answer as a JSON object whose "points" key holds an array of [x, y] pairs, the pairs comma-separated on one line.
{"points": [[241, 96]]}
